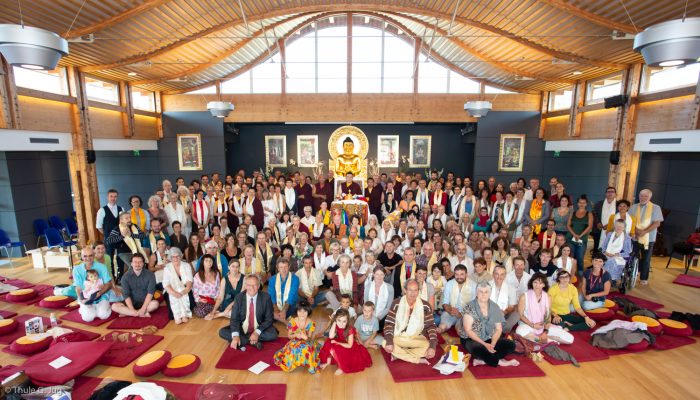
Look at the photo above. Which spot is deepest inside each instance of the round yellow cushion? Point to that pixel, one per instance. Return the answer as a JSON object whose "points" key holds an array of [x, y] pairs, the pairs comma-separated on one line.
{"points": [[600, 314], [27, 345], [151, 363], [18, 296], [653, 326], [609, 303], [182, 365], [7, 326], [675, 328], [55, 301], [157, 295]]}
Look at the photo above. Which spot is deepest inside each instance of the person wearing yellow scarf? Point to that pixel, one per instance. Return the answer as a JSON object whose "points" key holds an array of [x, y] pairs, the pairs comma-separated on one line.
{"points": [[538, 211], [138, 216], [648, 217]]}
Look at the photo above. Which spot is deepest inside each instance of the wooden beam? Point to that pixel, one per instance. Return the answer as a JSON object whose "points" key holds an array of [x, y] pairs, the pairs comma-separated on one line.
{"points": [[575, 117], [159, 109], [349, 56], [592, 107], [287, 8], [417, 46], [12, 118], [38, 94], [128, 114], [115, 19], [83, 177], [695, 116], [666, 94], [146, 113], [592, 17], [283, 65], [556, 113], [544, 106], [624, 175], [107, 106]]}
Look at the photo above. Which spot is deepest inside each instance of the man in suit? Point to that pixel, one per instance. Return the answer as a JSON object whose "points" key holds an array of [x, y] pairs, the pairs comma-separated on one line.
{"points": [[251, 317]]}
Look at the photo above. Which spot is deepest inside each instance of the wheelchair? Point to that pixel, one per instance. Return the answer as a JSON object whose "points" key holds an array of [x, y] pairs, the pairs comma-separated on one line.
{"points": [[628, 280]]}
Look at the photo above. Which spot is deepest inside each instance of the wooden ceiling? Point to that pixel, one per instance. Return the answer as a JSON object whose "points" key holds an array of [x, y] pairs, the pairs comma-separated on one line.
{"points": [[174, 45]]}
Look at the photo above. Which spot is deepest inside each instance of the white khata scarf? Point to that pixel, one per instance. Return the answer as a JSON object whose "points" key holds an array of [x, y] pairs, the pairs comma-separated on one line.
{"points": [[409, 323], [344, 282], [282, 295], [460, 297], [134, 245], [309, 281]]}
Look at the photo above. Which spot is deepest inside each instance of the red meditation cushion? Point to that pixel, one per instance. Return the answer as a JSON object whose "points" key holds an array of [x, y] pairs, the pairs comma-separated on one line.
{"points": [[638, 346], [29, 345], [7, 326], [653, 326], [182, 365], [158, 296], [611, 305], [71, 337], [151, 363], [20, 295], [675, 328], [601, 314], [55, 301]]}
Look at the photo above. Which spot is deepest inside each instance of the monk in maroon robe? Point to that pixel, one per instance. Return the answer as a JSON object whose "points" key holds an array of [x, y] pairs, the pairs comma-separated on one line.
{"points": [[304, 194], [374, 197], [322, 191], [350, 187]]}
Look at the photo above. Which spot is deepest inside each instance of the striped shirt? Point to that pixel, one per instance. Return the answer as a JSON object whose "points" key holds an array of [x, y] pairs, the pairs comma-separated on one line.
{"points": [[429, 330]]}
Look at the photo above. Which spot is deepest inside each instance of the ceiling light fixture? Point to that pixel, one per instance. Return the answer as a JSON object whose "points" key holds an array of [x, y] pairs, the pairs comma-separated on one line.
{"points": [[670, 43], [132, 74], [30, 47], [576, 73], [331, 20], [366, 20], [478, 109], [220, 109]]}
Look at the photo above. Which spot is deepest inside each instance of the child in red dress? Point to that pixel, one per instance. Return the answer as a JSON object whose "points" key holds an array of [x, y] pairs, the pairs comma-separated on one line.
{"points": [[340, 347]]}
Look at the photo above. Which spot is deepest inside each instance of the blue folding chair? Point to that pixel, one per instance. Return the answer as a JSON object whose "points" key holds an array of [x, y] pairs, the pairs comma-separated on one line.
{"points": [[54, 239], [7, 244], [40, 226], [71, 228], [57, 223]]}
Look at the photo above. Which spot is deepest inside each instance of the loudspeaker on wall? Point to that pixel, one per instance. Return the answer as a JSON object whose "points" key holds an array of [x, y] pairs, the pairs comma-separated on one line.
{"points": [[615, 157], [91, 156]]}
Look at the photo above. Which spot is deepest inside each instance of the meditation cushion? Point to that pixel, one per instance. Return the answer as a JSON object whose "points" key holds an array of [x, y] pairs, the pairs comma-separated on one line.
{"points": [[20, 295], [609, 304], [675, 328], [653, 326], [71, 337], [55, 301], [158, 296], [151, 363], [637, 346], [601, 314], [7, 326], [28, 345], [182, 365]]}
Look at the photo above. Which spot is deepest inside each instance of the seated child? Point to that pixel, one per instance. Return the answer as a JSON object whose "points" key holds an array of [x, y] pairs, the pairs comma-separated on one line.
{"points": [[340, 347], [367, 326], [93, 285]]}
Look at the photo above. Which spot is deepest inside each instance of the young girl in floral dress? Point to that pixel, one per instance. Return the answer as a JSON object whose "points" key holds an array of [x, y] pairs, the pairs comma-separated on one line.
{"points": [[301, 350]]}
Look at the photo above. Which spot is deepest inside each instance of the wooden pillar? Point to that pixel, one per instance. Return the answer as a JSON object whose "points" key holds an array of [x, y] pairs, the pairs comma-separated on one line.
{"points": [[576, 116], [83, 176], [159, 109], [128, 113], [695, 116], [349, 58], [283, 65], [11, 117], [544, 106], [623, 177], [418, 44]]}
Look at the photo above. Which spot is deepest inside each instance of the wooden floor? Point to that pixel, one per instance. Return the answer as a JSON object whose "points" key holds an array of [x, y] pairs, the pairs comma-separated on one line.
{"points": [[653, 374]]}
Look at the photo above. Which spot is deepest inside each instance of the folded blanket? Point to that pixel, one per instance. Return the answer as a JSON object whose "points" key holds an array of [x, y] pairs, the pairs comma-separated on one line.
{"points": [[560, 354]]}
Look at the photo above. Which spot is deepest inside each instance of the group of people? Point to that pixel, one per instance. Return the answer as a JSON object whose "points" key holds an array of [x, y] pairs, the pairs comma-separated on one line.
{"points": [[434, 253]]}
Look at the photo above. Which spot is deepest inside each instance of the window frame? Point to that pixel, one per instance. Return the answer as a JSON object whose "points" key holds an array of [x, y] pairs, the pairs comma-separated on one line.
{"points": [[589, 87]]}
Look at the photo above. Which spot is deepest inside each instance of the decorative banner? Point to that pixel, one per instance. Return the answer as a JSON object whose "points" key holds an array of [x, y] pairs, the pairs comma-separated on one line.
{"points": [[307, 150], [511, 152], [189, 151], [276, 151], [419, 151], [388, 151]]}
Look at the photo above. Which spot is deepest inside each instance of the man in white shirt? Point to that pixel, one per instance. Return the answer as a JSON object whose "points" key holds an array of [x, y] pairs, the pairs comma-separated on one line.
{"points": [[458, 292], [503, 294], [520, 201], [461, 257], [518, 277], [534, 184], [422, 195], [290, 197], [602, 212], [408, 242], [438, 214]]}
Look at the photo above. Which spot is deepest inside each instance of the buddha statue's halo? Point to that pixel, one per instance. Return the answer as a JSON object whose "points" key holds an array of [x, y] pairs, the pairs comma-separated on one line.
{"points": [[359, 139]]}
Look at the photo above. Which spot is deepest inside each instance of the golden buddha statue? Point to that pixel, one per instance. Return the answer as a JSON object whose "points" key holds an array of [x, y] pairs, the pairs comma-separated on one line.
{"points": [[348, 161]]}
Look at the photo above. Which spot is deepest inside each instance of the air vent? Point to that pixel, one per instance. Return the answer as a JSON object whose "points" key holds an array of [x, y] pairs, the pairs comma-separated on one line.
{"points": [[43, 140], [666, 141]]}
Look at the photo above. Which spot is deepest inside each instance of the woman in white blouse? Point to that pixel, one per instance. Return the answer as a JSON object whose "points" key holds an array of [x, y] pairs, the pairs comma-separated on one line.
{"points": [[175, 212], [380, 293], [177, 282]]}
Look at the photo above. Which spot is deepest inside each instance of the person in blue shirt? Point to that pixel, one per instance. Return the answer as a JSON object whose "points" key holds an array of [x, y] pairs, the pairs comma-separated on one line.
{"points": [[283, 289], [100, 308], [212, 249]]}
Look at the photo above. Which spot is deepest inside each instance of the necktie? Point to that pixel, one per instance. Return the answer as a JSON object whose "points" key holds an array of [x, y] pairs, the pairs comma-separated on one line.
{"points": [[408, 271], [251, 318]]}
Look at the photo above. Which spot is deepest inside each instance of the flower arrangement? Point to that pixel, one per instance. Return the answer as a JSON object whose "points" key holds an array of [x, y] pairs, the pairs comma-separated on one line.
{"points": [[372, 167], [319, 169], [428, 171]]}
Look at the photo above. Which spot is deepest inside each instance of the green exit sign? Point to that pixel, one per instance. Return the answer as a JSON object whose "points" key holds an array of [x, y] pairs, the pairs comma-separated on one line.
{"points": [[557, 153], [137, 153]]}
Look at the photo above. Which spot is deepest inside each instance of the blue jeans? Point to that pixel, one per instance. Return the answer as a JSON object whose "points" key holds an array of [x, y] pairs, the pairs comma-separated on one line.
{"points": [[644, 259], [578, 250]]}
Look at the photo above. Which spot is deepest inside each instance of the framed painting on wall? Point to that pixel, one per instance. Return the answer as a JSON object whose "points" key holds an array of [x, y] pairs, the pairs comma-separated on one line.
{"points": [[388, 151], [189, 151], [307, 150], [276, 151], [511, 152], [419, 151]]}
